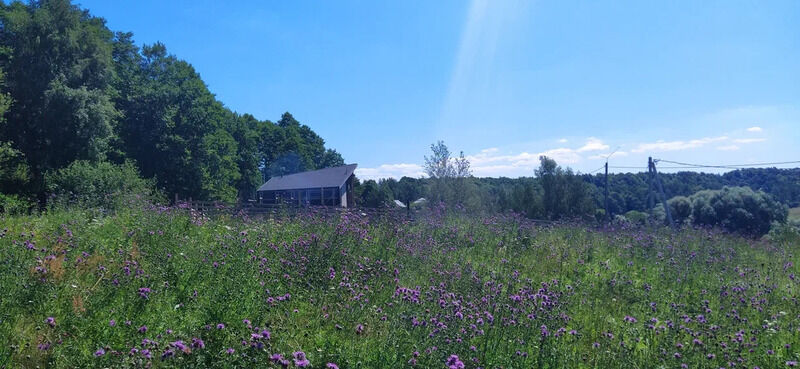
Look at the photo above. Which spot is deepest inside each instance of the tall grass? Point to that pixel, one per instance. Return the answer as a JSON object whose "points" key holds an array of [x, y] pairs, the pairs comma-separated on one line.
{"points": [[166, 287]]}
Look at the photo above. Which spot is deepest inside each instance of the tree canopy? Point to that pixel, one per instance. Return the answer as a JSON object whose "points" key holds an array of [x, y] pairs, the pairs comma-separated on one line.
{"points": [[73, 90]]}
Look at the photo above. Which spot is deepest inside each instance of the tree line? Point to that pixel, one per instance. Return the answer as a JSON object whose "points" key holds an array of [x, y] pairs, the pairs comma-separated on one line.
{"points": [[75, 93], [745, 200]]}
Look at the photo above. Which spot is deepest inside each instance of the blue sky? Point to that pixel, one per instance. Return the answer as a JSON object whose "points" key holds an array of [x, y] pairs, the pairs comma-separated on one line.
{"points": [[712, 82]]}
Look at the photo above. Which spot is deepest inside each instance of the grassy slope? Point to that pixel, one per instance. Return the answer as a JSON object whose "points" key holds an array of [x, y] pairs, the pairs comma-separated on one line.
{"points": [[365, 292]]}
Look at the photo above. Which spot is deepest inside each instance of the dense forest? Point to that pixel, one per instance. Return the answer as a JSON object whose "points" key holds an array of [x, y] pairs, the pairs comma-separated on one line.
{"points": [[77, 93]]}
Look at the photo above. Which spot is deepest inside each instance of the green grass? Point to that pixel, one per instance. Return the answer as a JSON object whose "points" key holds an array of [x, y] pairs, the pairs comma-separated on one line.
{"points": [[379, 291]]}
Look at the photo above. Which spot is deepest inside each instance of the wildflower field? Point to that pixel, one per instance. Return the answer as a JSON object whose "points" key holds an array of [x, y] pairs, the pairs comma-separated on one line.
{"points": [[166, 287]]}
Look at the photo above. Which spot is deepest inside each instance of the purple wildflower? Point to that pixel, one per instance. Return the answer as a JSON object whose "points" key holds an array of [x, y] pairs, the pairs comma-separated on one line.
{"points": [[453, 362], [198, 343], [144, 292], [300, 359]]}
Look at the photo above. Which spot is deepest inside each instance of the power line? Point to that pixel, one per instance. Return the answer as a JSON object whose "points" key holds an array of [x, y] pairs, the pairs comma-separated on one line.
{"points": [[624, 167], [728, 166], [595, 171]]}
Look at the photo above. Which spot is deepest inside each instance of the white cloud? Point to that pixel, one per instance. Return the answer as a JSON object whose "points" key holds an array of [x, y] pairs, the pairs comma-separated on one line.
{"points": [[605, 155], [494, 162], [593, 144], [488, 163], [391, 171], [676, 145], [749, 140], [496, 170], [754, 129], [562, 155]]}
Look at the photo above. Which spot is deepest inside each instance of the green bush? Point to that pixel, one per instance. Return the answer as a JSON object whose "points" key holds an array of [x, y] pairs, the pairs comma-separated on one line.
{"points": [[98, 184], [15, 205], [680, 208], [737, 209], [15, 173], [637, 217]]}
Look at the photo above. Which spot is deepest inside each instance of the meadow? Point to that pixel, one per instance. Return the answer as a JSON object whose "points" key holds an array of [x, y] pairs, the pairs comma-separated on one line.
{"points": [[167, 287]]}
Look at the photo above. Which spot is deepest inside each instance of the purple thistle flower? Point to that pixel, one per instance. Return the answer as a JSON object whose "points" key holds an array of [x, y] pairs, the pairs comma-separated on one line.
{"points": [[181, 346], [144, 292], [453, 362], [99, 352], [331, 366], [198, 343], [300, 359], [50, 321]]}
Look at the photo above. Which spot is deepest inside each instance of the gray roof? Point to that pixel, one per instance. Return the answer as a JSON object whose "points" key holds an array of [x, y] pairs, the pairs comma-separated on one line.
{"points": [[327, 177]]}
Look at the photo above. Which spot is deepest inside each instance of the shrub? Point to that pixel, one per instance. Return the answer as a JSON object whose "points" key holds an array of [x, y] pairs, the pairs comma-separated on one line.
{"points": [[15, 205], [98, 184], [14, 170], [637, 217], [680, 208], [737, 209]]}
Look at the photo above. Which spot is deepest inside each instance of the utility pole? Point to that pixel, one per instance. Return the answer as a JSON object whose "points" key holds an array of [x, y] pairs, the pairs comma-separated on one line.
{"points": [[650, 195], [608, 214], [652, 165]]}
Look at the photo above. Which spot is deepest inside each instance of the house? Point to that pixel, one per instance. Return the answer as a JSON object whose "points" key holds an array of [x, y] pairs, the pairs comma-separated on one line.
{"points": [[322, 187]]}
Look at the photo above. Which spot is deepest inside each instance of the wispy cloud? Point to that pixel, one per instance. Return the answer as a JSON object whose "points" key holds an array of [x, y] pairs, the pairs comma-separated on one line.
{"points": [[493, 162], [391, 171], [749, 140], [593, 144], [676, 145], [605, 155], [754, 129]]}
